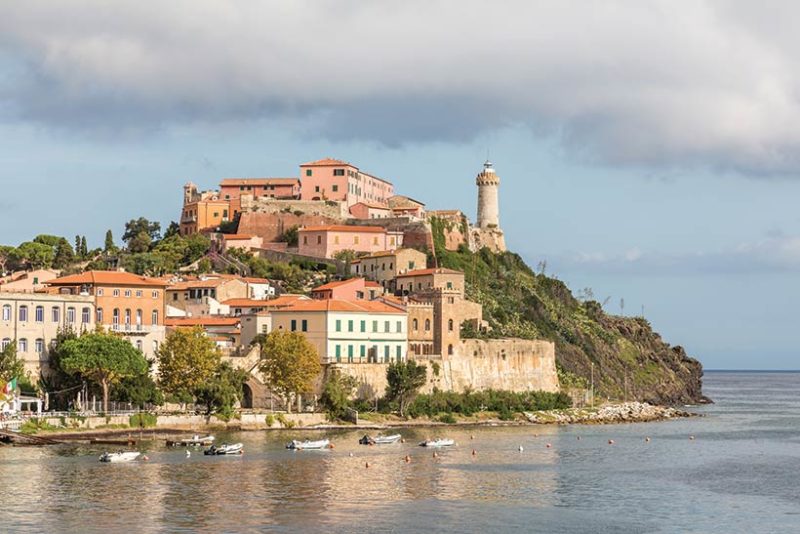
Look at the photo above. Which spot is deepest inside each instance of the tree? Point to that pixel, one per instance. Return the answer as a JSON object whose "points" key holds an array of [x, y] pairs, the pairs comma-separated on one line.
{"points": [[140, 390], [8, 258], [37, 255], [103, 358], [11, 366], [336, 394], [84, 250], [187, 359], [291, 236], [223, 390], [134, 227], [204, 266], [64, 255], [172, 230], [404, 380], [289, 363], [78, 246], [109, 245], [139, 243]]}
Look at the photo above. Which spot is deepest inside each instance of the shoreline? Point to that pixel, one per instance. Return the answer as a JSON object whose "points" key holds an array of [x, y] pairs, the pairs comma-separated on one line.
{"points": [[623, 413]]}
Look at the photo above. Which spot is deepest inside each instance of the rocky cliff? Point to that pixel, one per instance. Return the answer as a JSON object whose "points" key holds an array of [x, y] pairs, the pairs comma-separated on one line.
{"points": [[629, 360]]}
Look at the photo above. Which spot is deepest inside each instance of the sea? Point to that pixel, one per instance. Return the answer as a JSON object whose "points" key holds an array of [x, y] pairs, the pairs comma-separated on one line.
{"points": [[735, 469]]}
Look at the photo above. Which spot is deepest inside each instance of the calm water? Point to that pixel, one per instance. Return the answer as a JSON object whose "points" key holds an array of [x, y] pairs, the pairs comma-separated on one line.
{"points": [[740, 474]]}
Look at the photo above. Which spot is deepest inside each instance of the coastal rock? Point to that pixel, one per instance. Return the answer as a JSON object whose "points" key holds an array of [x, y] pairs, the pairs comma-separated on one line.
{"points": [[633, 412]]}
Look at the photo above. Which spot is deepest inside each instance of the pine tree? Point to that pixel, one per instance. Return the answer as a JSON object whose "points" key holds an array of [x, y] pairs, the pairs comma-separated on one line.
{"points": [[109, 245], [84, 249], [78, 246]]}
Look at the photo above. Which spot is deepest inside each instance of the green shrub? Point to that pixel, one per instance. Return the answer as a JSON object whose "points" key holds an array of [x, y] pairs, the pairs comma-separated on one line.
{"points": [[269, 420], [143, 420], [285, 423], [447, 418], [503, 402]]}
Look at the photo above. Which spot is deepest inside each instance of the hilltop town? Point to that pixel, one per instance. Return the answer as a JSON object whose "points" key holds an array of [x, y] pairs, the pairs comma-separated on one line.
{"points": [[368, 276]]}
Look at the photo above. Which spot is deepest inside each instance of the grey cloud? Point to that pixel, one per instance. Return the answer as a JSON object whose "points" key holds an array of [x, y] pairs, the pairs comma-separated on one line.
{"points": [[664, 85]]}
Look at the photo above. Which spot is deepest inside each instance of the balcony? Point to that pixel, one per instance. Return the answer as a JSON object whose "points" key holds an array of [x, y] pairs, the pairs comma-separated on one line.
{"points": [[136, 329]]}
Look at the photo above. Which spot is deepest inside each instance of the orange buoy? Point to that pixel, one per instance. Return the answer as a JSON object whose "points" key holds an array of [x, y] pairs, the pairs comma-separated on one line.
{"points": [[330, 445], [408, 459], [611, 442]]}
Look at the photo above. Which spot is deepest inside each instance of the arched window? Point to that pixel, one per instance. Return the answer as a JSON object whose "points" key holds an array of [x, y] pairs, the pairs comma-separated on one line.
{"points": [[99, 315], [155, 317], [450, 325], [427, 325], [22, 345], [6, 342], [39, 345], [155, 346], [55, 314], [70, 315], [450, 350], [39, 314], [6, 312], [139, 317], [127, 316], [115, 316], [139, 345], [415, 324], [86, 315], [23, 314]]}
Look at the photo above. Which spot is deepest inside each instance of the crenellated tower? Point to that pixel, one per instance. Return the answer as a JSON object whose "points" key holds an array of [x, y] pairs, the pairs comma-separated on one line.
{"points": [[487, 232]]}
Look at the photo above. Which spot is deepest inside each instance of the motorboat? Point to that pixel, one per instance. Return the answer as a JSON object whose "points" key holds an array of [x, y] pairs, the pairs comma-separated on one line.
{"points": [[438, 442], [225, 448], [380, 440], [121, 456], [307, 444], [195, 441]]}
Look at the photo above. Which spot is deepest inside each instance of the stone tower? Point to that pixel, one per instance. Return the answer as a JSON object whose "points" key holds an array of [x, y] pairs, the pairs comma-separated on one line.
{"points": [[488, 208], [487, 232], [190, 193]]}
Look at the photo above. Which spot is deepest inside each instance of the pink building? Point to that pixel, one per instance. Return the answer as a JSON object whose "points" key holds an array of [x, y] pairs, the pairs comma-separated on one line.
{"points": [[363, 210], [326, 241], [331, 179], [244, 242], [349, 290]]}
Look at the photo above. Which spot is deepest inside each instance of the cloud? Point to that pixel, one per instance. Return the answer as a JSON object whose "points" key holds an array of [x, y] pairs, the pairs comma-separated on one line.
{"points": [[777, 253], [657, 84]]}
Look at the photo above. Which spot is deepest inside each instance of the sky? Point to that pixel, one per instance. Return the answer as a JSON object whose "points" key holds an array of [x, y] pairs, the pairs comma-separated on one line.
{"points": [[647, 150]]}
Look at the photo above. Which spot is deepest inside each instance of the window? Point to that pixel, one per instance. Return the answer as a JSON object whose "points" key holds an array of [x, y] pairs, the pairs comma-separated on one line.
{"points": [[174, 296], [374, 240], [415, 325], [399, 326], [350, 353], [99, 315], [294, 325], [316, 189], [138, 293], [116, 292], [350, 326], [39, 346], [155, 294], [363, 326], [355, 240], [305, 239], [338, 172], [450, 350], [127, 316], [5, 343], [308, 172], [392, 241], [115, 316], [449, 285], [139, 317], [127, 292], [6, 312], [22, 345], [449, 325], [154, 317], [386, 354], [386, 326], [427, 325], [304, 325], [23, 314], [224, 214], [338, 353], [338, 325], [335, 188], [55, 314], [139, 345], [411, 265], [155, 346], [39, 314], [363, 351], [374, 326], [399, 353], [86, 315], [319, 240], [99, 292]]}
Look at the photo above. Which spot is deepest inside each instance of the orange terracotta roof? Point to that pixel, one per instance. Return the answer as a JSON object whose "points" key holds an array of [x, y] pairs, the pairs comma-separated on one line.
{"points": [[425, 272], [343, 228], [258, 181], [335, 305], [372, 283], [253, 280], [104, 278], [202, 320], [326, 162], [338, 283]]}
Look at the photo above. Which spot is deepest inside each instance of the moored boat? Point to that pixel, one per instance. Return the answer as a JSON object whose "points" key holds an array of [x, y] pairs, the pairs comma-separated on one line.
{"points": [[195, 441], [308, 444], [121, 456], [438, 442], [380, 440], [225, 448]]}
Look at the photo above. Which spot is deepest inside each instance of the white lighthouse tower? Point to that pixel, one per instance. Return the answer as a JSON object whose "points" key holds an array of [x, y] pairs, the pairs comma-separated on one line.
{"points": [[487, 232]]}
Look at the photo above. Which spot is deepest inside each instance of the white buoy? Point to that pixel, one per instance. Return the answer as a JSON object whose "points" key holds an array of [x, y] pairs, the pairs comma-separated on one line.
{"points": [[188, 454], [521, 449]]}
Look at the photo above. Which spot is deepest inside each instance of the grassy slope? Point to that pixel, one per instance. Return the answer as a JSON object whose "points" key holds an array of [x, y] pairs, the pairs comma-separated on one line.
{"points": [[627, 354]]}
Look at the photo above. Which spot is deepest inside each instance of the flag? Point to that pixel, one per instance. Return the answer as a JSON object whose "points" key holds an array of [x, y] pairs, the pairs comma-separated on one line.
{"points": [[10, 386]]}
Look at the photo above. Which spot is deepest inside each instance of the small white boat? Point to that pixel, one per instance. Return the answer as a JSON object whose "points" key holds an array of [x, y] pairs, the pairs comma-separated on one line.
{"points": [[195, 441], [121, 456], [438, 442], [225, 448], [380, 440], [307, 444]]}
